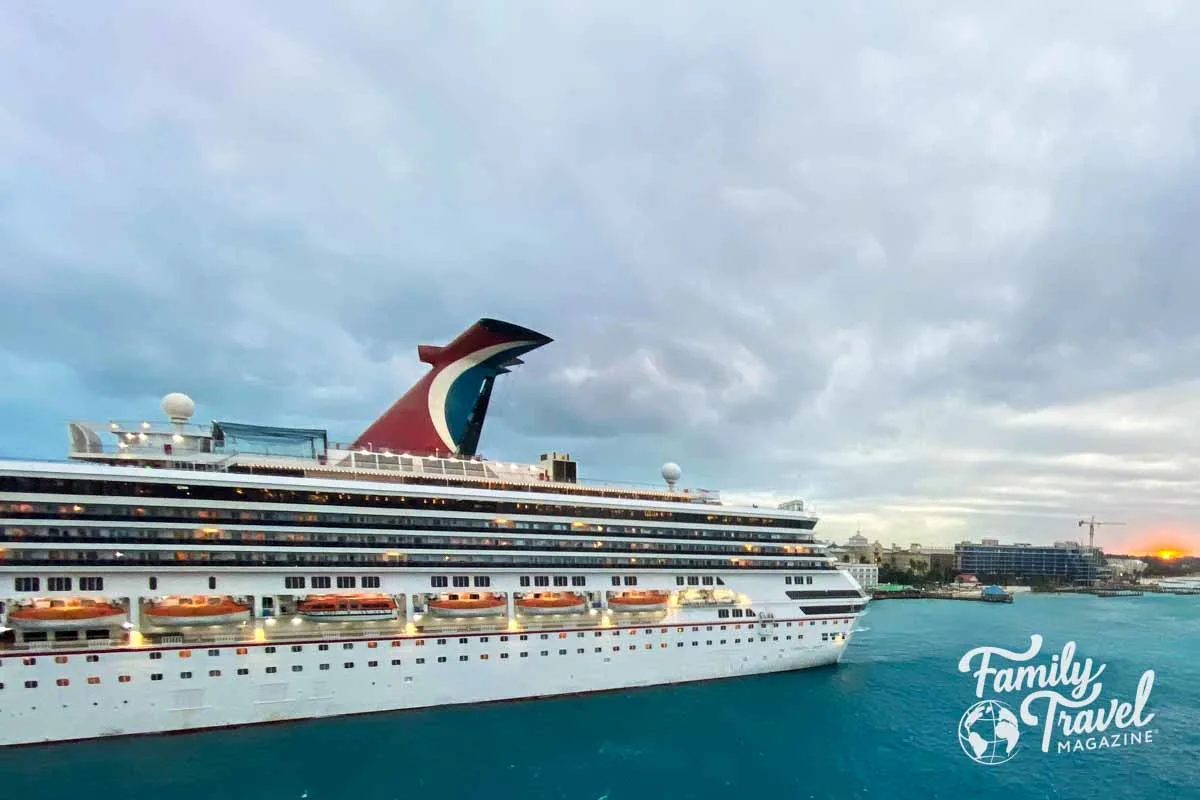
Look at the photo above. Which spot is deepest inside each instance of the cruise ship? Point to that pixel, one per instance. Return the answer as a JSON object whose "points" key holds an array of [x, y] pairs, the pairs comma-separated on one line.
{"points": [[173, 577]]}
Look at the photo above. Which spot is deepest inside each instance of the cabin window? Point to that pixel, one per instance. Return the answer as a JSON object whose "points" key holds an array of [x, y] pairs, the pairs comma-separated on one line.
{"points": [[243, 671], [58, 584], [293, 582], [370, 581], [541, 580], [461, 581], [27, 584], [578, 580], [214, 673], [212, 582], [616, 581], [157, 676], [438, 581], [320, 581], [483, 580], [271, 670], [631, 580], [560, 580], [91, 584], [708, 581], [153, 582], [524, 581], [345, 581], [185, 675], [679, 580], [30, 684]]}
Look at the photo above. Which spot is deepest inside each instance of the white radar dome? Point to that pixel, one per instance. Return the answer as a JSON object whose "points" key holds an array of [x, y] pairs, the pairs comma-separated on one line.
{"points": [[179, 407], [671, 473]]}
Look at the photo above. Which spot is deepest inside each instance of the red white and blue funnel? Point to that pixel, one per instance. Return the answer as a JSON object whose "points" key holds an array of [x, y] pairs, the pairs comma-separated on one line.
{"points": [[444, 412]]}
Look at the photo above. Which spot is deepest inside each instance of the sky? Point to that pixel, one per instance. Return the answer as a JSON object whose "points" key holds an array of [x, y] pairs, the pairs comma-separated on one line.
{"points": [[931, 267]]}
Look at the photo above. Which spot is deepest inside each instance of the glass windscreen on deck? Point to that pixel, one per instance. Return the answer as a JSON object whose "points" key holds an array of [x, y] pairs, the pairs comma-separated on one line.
{"points": [[235, 437]]}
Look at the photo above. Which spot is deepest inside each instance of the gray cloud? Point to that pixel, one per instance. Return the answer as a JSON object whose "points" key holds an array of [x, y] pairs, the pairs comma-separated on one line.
{"points": [[846, 253]]}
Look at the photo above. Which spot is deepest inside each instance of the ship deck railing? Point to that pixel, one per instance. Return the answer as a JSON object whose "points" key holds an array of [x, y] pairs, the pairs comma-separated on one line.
{"points": [[191, 446]]}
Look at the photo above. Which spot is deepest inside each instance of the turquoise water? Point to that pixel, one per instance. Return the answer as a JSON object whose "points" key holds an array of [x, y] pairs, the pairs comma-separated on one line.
{"points": [[883, 724]]}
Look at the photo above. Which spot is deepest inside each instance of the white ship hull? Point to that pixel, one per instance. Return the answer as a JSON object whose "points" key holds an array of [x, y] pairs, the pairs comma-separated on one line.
{"points": [[299, 688]]}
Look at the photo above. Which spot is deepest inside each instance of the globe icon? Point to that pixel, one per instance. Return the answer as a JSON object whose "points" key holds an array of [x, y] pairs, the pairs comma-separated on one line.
{"points": [[988, 732]]}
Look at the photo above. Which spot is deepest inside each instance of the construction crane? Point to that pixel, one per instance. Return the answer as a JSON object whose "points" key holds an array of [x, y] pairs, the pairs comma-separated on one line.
{"points": [[1092, 523]]}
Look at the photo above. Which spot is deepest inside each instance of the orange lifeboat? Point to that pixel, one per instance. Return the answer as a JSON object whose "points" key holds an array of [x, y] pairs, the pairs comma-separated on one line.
{"points": [[347, 608], [47, 615], [639, 601], [467, 605], [176, 612], [552, 603]]}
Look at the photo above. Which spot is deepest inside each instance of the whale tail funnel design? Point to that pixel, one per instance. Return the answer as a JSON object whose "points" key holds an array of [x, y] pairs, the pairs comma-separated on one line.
{"points": [[444, 411]]}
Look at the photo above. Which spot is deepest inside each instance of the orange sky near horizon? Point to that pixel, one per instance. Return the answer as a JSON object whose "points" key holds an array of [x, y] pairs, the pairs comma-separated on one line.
{"points": [[1160, 541]]}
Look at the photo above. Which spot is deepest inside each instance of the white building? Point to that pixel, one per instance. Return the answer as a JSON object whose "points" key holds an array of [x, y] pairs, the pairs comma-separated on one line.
{"points": [[867, 575], [1126, 567]]}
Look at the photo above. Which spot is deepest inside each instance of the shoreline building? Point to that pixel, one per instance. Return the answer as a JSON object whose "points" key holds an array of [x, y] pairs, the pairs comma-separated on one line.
{"points": [[1065, 562], [867, 575]]}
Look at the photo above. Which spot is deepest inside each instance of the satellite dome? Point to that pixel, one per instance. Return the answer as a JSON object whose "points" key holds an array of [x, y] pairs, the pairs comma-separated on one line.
{"points": [[671, 473], [179, 407]]}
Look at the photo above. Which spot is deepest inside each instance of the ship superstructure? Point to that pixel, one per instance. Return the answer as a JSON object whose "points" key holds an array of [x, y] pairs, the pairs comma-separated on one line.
{"points": [[174, 576]]}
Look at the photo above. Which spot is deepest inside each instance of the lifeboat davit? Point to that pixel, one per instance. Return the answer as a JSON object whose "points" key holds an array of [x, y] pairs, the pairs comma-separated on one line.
{"points": [[457, 605], [175, 612], [552, 603], [639, 601], [347, 608], [48, 615]]}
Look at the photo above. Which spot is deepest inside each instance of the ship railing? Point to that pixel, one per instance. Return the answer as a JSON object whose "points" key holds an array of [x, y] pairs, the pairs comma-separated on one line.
{"points": [[64, 644]]}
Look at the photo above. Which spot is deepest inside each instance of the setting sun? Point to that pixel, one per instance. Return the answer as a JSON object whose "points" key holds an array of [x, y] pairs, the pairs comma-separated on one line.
{"points": [[1167, 555]]}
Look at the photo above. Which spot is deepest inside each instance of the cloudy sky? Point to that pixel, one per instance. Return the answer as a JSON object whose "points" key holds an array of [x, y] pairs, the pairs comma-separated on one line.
{"points": [[931, 266]]}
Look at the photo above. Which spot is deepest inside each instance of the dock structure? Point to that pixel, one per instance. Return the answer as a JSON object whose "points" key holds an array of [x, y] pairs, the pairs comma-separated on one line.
{"points": [[1170, 590], [908, 593]]}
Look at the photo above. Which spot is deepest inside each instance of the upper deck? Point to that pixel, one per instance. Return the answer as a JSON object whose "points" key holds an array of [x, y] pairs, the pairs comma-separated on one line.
{"points": [[306, 454]]}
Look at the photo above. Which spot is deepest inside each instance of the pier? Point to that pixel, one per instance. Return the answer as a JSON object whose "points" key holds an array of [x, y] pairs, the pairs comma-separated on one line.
{"points": [[922, 594]]}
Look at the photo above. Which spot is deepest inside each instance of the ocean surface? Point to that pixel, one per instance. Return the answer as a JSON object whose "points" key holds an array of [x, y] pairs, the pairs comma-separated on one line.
{"points": [[884, 724]]}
